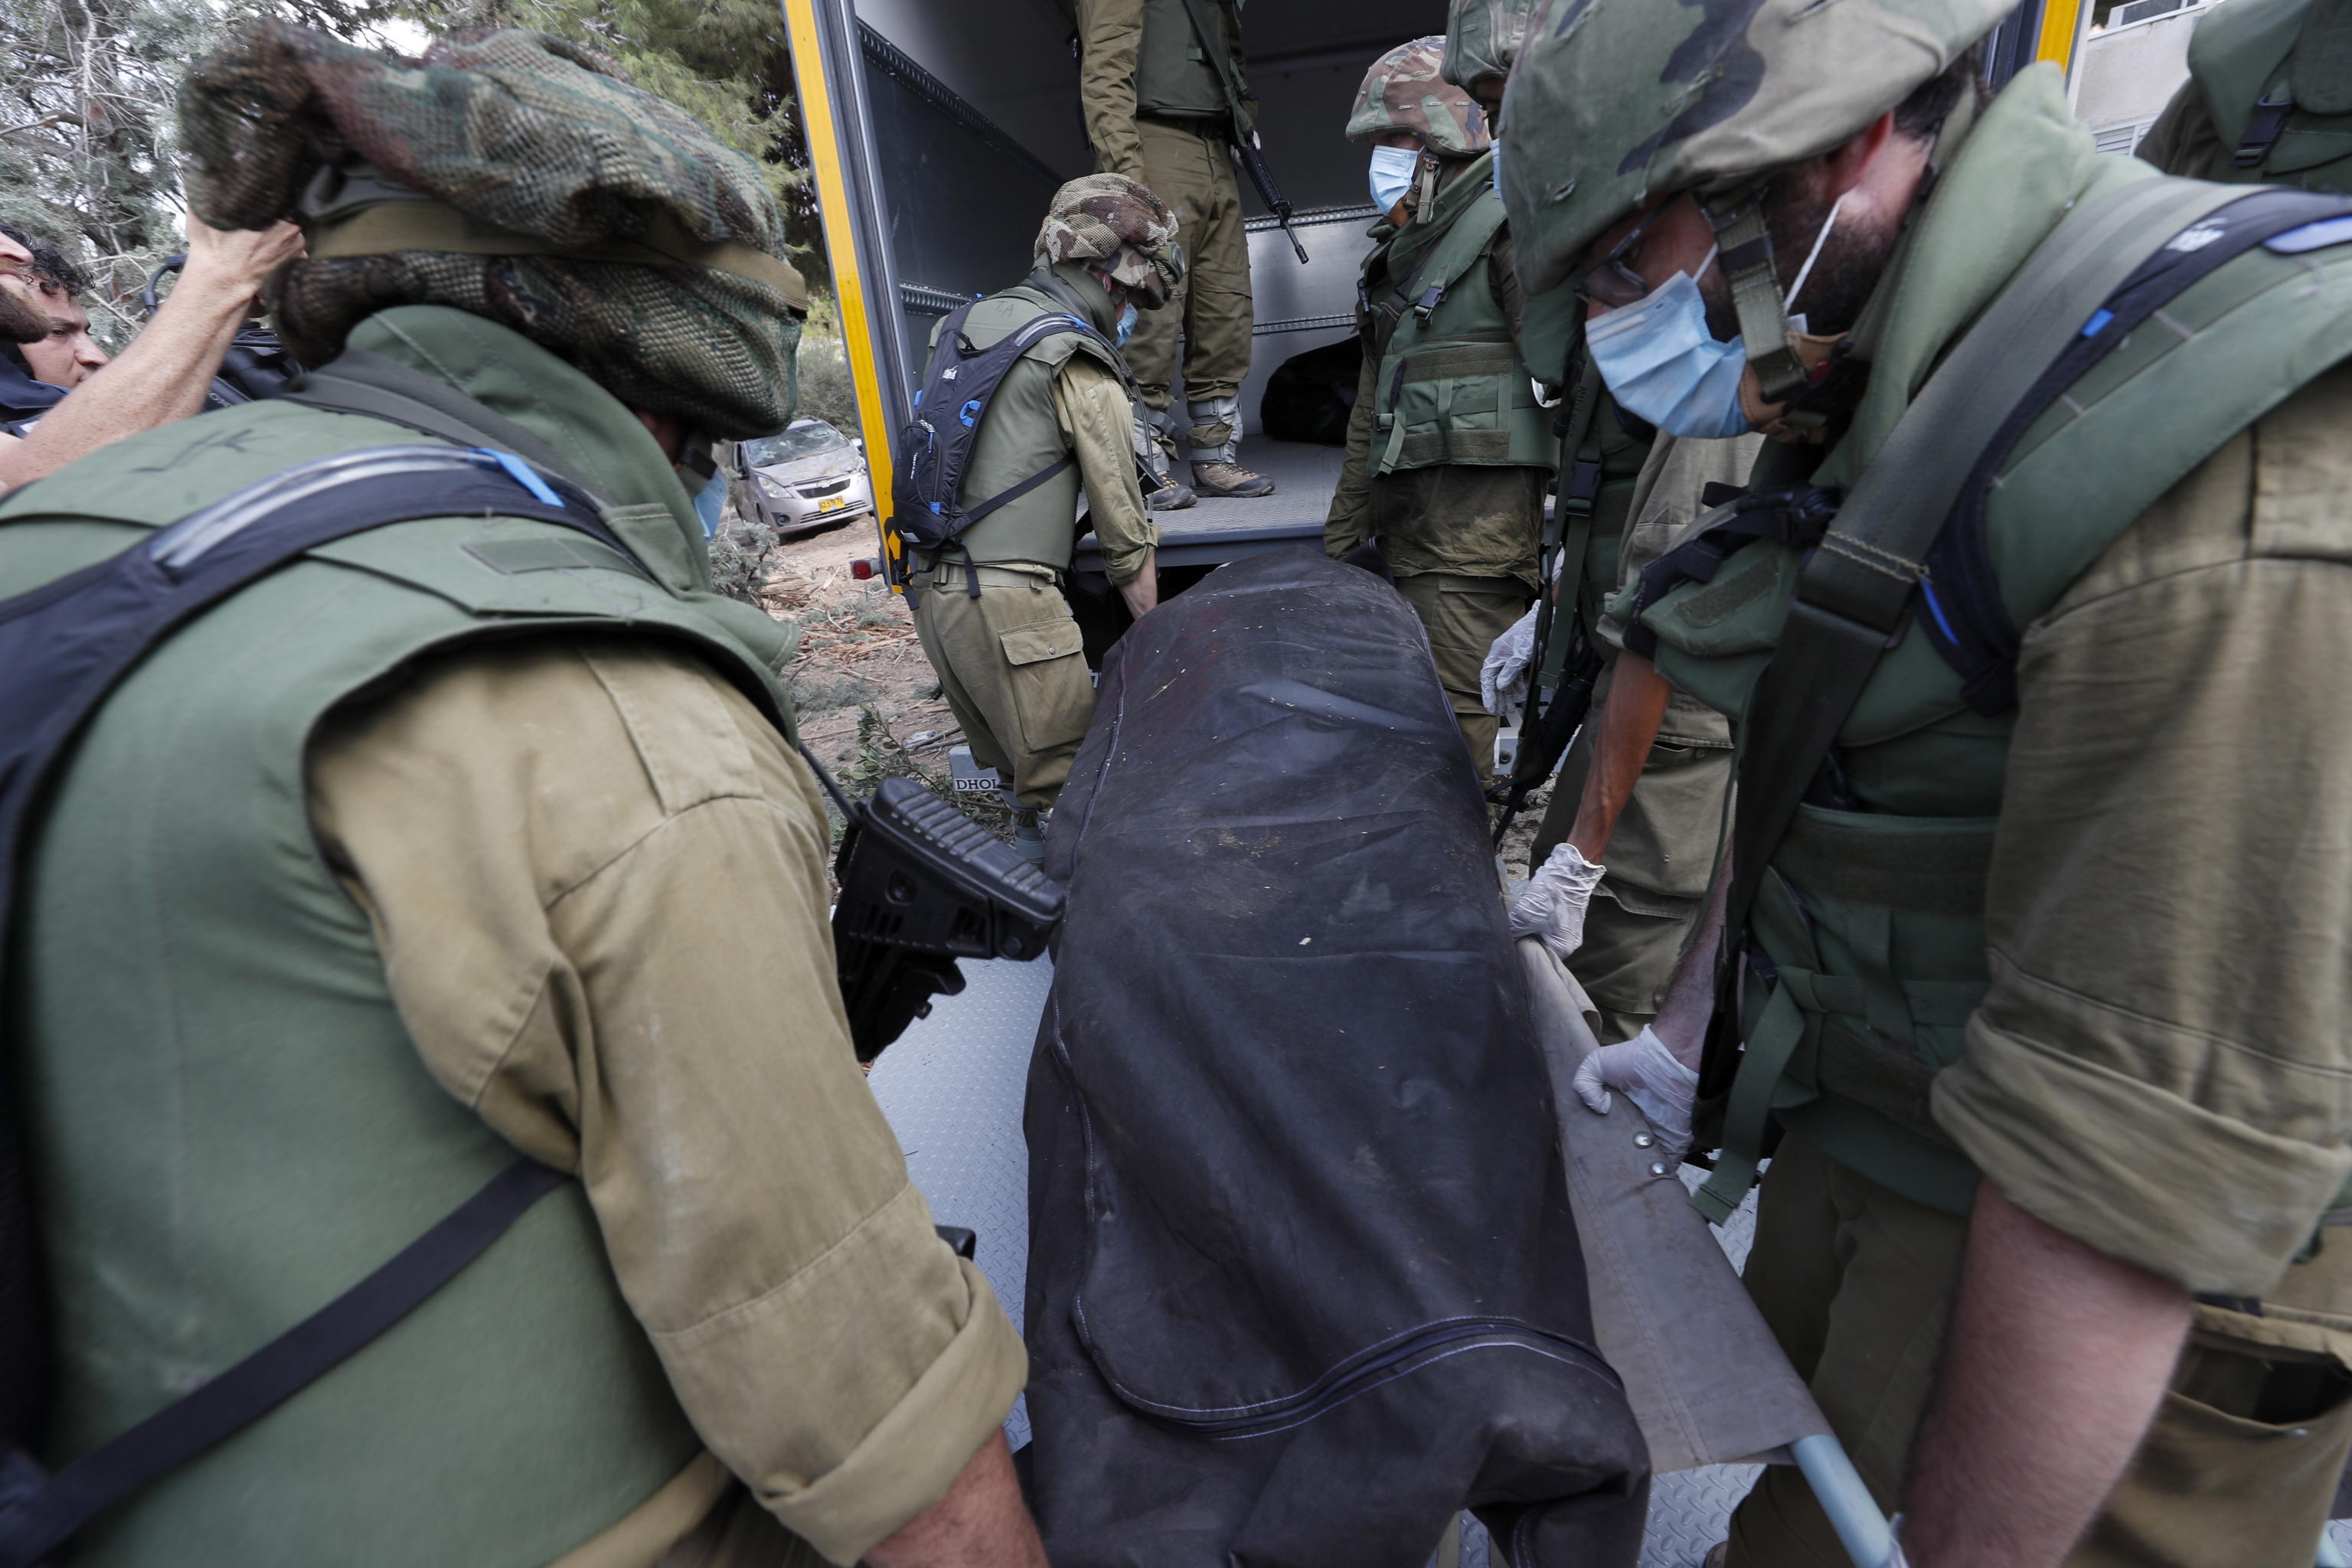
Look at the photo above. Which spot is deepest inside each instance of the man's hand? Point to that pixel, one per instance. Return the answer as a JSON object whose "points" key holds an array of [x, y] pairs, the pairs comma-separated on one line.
{"points": [[2055, 1363], [165, 374], [1649, 1074], [1552, 907], [981, 1524], [233, 262], [1502, 678], [1141, 591]]}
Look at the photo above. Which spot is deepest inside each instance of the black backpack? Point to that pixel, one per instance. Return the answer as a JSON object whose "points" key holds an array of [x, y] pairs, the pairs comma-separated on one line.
{"points": [[64, 648], [937, 442]]}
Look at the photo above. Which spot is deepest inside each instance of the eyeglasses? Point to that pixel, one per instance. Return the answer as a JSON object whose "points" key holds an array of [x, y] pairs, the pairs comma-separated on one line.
{"points": [[1614, 282]]}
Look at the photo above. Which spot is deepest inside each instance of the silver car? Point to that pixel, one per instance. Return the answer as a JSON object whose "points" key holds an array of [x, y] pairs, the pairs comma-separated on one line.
{"points": [[809, 477]]}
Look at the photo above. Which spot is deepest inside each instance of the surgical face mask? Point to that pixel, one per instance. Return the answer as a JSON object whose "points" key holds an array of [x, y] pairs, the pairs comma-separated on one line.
{"points": [[1663, 365], [1393, 172], [1127, 320], [1495, 168]]}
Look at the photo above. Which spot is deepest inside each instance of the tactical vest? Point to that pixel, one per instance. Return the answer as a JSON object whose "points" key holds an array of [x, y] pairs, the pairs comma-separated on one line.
{"points": [[1867, 947], [1450, 387], [1174, 75], [1021, 435], [2276, 76], [232, 1125]]}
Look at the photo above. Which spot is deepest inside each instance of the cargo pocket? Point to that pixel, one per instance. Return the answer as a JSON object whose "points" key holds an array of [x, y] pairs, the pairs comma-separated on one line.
{"points": [[1051, 693]]}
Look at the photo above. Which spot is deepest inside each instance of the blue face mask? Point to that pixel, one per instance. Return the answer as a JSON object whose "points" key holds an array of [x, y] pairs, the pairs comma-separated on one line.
{"points": [[1494, 169], [1393, 172], [1127, 320], [1663, 365]]}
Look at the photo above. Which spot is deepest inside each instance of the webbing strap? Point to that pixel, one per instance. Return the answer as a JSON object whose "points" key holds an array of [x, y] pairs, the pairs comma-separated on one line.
{"points": [[1211, 47], [1014, 492], [1856, 589], [37, 1516], [1745, 257]]}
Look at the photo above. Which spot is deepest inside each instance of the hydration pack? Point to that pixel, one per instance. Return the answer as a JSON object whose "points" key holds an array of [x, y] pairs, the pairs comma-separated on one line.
{"points": [[937, 442]]}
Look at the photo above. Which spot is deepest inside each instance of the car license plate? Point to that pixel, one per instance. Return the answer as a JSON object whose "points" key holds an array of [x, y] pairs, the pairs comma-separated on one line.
{"points": [[832, 503]]}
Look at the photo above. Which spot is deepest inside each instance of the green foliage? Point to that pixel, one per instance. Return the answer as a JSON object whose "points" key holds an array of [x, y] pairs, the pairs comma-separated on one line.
{"points": [[882, 755]]}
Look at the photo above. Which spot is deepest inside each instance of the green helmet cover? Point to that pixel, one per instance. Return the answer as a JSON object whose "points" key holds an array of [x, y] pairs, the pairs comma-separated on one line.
{"points": [[1482, 36], [1615, 102], [1405, 90]]}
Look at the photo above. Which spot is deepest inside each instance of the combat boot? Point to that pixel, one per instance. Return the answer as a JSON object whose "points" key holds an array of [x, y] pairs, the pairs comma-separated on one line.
{"points": [[1229, 480], [1029, 834], [1217, 451]]}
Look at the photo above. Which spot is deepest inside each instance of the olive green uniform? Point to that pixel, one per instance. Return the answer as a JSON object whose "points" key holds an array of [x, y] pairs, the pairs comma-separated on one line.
{"points": [[1661, 852], [2092, 947], [1157, 112], [448, 840], [2268, 98], [1011, 660], [1448, 455]]}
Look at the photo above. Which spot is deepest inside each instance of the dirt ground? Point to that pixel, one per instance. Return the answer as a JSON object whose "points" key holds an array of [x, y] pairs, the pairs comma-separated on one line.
{"points": [[867, 701], [858, 650]]}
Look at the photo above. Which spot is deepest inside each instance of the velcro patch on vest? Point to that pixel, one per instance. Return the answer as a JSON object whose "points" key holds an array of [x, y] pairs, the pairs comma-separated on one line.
{"points": [[512, 557]]}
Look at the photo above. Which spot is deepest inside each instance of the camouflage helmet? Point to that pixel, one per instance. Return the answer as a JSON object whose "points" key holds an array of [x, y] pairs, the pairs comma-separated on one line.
{"points": [[1120, 227], [1619, 104], [1483, 37], [1405, 92]]}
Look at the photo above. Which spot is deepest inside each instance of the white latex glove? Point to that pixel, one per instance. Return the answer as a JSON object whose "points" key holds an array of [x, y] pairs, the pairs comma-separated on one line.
{"points": [[1650, 1076], [1552, 905], [1502, 678]]}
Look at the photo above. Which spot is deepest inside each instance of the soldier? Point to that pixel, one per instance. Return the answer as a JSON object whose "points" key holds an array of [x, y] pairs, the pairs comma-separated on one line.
{"points": [[2268, 98], [1163, 103], [165, 371], [1653, 806], [469, 836], [989, 606], [2034, 925], [1448, 453], [64, 354]]}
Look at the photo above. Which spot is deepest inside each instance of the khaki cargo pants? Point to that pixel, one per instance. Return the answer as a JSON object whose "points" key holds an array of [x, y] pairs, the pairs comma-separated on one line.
{"points": [[2237, 1472], [1013, 666], [1210, 308], [1463, 616]]}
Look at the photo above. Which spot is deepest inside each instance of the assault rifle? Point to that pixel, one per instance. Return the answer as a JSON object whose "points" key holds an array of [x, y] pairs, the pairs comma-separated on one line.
{"points": [[921, 885], [1245, 146], [1539, 752]]}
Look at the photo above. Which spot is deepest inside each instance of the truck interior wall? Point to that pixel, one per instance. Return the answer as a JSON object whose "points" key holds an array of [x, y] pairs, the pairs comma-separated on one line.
{"points": [[974, 138]]}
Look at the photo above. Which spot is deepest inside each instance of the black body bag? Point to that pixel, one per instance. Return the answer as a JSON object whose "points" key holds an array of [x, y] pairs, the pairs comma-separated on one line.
{"points": [[1303, 1275]]}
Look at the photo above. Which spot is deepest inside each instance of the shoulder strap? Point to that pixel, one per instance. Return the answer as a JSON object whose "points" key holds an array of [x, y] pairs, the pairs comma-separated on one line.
{"points": [[40, 1512], [1960, 606], [358, 381], [1223, 59], [65, 647], [1856, 589]]}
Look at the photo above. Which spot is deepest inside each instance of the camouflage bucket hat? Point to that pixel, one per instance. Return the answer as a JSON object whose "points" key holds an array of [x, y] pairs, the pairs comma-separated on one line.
{"points": [[1405, 90], [515, 176], [1483, 37], [1119, 226], [1612, 105]]}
